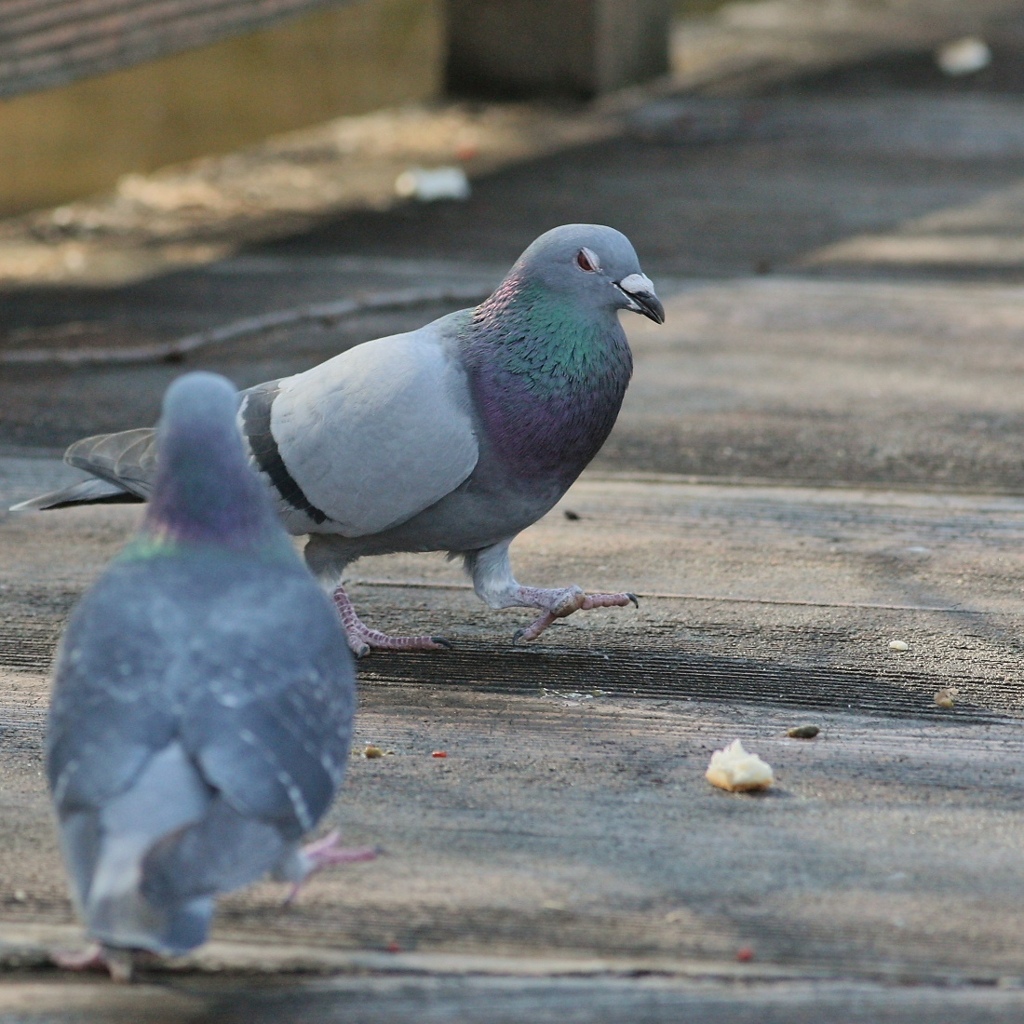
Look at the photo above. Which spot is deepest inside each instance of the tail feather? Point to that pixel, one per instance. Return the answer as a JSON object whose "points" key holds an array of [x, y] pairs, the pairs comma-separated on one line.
{"points": [[106, 858], [87, 492], [127, 458], [124, 918], [123, 467], [219, 853]]}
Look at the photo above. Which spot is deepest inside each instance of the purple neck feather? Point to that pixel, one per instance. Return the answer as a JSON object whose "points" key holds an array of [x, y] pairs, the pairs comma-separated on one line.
{"points": [[204, 493], [548, 379]]}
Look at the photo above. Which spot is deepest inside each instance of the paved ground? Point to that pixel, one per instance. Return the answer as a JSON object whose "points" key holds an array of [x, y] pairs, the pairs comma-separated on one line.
{"points": [[820, 453]]}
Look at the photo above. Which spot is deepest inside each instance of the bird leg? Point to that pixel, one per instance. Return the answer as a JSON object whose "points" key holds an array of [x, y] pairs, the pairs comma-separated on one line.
{"points": [[119, 963], [496, 586], [362, 639], [325, 853]]}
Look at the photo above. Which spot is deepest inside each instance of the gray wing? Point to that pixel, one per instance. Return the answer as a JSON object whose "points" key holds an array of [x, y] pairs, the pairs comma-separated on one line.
{"points": [[243, 686], [271, 729], [252, 673], [381, 431], [108, 716], [275, 754]]}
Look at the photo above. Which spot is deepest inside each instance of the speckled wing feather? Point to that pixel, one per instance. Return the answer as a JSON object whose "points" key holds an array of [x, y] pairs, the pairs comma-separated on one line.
{"points": [[201, 720], [241, 667], [381, 431]]}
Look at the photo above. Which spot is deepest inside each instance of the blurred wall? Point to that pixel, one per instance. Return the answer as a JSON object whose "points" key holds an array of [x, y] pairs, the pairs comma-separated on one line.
{"points": [[75, 140]]}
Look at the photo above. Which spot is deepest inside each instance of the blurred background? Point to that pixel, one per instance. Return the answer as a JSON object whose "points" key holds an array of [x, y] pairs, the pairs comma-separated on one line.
{"points": [[327, 60], [68, 141]]}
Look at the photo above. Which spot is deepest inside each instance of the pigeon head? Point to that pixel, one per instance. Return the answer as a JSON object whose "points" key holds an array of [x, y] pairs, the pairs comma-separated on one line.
{"points": [[593, 265], [204, 490]]}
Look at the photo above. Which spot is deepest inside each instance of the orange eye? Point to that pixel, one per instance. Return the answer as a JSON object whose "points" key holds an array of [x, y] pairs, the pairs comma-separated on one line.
{"points": [[588, 261]]}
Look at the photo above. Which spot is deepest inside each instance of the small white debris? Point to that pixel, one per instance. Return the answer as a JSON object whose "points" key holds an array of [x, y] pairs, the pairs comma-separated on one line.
{"points": [[899, 645], [946, 697], [737, 771], [963, 56], [430, 185]]}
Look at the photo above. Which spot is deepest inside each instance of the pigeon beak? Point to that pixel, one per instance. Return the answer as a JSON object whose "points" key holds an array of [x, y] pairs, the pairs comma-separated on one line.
{"points": [[640, 297]]}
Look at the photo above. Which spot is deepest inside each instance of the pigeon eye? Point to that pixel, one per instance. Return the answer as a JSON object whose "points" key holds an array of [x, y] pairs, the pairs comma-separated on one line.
{"points": [[586, 259]]}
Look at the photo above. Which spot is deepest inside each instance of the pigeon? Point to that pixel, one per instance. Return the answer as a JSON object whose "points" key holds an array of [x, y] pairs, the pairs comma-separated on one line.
{"points": [[454, 437], [202, 703]]}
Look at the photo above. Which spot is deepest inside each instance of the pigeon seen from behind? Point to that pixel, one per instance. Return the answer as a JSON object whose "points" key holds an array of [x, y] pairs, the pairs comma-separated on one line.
{"points": [[203, 700], [454, 437]]}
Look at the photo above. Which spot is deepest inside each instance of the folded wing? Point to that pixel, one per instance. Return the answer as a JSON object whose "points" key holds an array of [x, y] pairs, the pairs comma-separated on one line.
{"points": [[380, 432]]}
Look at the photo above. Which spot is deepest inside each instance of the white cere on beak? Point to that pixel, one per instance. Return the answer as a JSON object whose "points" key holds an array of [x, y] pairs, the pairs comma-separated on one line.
{"points": [[640, 297], [637, 283]]}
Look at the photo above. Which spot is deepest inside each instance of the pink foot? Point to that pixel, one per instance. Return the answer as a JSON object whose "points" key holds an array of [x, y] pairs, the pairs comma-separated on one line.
{"points": [[325, 853], [574, 601], [362, 639], [118, 962]]}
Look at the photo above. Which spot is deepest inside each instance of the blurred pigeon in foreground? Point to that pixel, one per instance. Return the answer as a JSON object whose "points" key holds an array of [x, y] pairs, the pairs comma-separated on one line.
{"points": [[203, 700], [454, 437]]}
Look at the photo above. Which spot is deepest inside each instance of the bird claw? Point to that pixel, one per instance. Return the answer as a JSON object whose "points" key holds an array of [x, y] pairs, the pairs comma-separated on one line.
{"points": [[575, 600], [536, 627], [327, 852], [375, 640], [362, 639]]}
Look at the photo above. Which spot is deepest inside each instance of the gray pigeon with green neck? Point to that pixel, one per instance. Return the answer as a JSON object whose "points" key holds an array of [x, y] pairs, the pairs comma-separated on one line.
{"points": [[454, 437], [203, 701]]}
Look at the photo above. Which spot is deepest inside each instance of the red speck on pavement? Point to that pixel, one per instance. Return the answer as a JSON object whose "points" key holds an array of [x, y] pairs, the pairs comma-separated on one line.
{"points": [[439, 753], [744, 954]]}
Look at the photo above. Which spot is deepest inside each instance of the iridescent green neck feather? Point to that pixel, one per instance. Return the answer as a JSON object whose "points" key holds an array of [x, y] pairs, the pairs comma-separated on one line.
{"points": [[548, 377]]}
